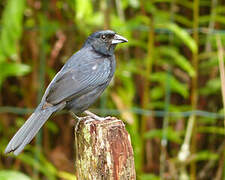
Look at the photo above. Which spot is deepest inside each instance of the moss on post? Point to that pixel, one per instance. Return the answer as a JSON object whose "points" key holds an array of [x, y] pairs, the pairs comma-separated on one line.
{"points": [[103, 150]]}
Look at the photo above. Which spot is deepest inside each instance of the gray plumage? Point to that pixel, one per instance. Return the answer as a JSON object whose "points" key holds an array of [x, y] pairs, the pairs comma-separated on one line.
{"points": [[75, 87]]}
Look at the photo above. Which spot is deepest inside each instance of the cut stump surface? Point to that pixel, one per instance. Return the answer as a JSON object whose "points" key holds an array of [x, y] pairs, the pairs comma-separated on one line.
{"points": [[103, 150]]}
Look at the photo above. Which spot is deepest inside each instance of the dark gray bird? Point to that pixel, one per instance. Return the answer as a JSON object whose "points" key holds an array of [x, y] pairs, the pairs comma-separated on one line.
{"points": [[75, 87]]}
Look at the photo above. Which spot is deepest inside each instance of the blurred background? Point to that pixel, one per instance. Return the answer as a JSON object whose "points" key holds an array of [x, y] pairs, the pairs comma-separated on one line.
{"points": [[167, 86]]}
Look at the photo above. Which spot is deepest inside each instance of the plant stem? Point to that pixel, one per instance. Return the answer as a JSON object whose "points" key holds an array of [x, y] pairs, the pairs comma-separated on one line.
{"points": [[164, 141], [185, 148], [194, 94], [222, 71], [211, 25], [145, 96]]}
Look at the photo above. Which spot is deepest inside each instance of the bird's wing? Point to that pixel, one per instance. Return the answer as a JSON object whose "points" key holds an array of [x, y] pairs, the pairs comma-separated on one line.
{"points": [[78, 80]]}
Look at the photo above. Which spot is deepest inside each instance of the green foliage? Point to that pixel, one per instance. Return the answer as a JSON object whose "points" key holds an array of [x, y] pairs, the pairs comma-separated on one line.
{"points": [[66, 175], [176, 86], [170, 134], [42, 165], [158, 59], [183, 35], [12, 175], [10, 35], [204, 156], [212, 130], [11, 29], [213, 86], [85, 15], [176, 58], [83, 9], [149, 177], [12, 69], [125, 95]]}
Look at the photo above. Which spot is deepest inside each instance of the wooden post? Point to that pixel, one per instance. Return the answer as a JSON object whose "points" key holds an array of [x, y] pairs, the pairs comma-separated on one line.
{"points": [[103, 150]]}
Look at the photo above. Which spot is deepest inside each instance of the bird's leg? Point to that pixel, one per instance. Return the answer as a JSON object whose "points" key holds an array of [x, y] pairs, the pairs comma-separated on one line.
{"points": [[94, 116]]}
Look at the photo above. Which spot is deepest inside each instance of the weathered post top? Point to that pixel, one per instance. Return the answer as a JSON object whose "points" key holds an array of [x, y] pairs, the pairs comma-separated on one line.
{"points": [[103, 150]]}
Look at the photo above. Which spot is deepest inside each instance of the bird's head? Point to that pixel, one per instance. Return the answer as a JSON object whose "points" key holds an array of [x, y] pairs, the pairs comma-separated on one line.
{"points": [[104, 42]]}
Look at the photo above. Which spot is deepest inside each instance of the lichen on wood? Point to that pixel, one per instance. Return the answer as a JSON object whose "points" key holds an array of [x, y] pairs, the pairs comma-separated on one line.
{"points": [[103, 150]]}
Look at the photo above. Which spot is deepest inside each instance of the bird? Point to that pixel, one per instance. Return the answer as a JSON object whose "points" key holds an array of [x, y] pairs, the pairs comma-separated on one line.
{"points": [[77, 85]]}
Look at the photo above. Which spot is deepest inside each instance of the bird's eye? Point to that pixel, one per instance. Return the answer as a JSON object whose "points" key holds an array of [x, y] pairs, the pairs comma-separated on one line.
{"points": [[103, 37]]}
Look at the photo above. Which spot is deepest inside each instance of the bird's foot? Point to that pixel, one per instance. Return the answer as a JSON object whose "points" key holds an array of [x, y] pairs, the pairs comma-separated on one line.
{"points": [[78, 120], [94, 116], [75, 116]]}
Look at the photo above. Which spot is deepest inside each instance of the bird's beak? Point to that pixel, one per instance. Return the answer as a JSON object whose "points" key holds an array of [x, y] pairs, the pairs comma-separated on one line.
{"points": [[118, 39]]}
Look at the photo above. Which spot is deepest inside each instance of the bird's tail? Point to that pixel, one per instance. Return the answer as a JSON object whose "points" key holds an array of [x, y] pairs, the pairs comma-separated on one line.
{"points": [[30, 128]]}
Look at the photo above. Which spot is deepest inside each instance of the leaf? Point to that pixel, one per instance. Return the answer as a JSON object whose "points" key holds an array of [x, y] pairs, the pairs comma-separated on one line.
{"points": [[12, 19], [212, 130], [182, 34], [219, 9], [177, 58], [12, 69], [170, 134], [176, 86], [204, 19], [52, 127], [12, 175], [11, 31], [185, 3], [149, 177], [220, 19], [83, 9], [66, 176], [183, 20], [204, 156], [41, 165], [156, 93], [213, 86]]}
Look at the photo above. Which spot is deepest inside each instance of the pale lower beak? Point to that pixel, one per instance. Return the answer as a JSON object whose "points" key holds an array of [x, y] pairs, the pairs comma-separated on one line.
{"points": [[118, 39]]}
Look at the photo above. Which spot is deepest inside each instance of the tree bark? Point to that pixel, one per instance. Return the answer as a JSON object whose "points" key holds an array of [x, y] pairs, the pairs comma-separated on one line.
{"points": [[103, 150]]}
